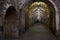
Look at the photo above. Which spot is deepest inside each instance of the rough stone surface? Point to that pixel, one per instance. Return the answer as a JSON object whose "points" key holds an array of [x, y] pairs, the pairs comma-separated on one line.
{"points": [[17, 4]]}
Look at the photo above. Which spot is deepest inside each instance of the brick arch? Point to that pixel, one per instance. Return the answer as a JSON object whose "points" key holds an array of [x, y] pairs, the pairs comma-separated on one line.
{"points": [[11, 22]]}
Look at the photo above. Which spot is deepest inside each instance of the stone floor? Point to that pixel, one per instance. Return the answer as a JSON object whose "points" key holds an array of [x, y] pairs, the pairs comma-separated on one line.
{"points": [[37, 32]]}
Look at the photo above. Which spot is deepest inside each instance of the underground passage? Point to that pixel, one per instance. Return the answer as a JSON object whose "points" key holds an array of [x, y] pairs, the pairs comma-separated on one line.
{"points": [[30, 20], [39, 22]]}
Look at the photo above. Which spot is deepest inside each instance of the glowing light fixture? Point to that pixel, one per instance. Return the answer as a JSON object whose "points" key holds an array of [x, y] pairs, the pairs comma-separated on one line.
{"points": [[40, 6]]}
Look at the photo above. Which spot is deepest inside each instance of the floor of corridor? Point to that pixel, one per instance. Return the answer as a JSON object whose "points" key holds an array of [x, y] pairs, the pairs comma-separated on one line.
{"points": [[37, 32]]}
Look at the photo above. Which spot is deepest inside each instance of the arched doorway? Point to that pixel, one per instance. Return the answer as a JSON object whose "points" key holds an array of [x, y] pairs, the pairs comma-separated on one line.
{"points": [[11, 22], [52, 16]]}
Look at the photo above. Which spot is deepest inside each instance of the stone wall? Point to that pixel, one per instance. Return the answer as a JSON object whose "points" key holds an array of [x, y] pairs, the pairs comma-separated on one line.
{"points": [[18, 4], [4, 5]]}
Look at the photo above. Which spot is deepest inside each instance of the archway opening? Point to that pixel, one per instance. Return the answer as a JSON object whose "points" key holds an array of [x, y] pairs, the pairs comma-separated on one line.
{"points": [[52, 16], [11, 22]]}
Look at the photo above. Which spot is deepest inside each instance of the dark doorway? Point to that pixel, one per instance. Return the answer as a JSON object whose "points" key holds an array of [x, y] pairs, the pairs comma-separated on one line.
{"points": [[11, 22]]}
